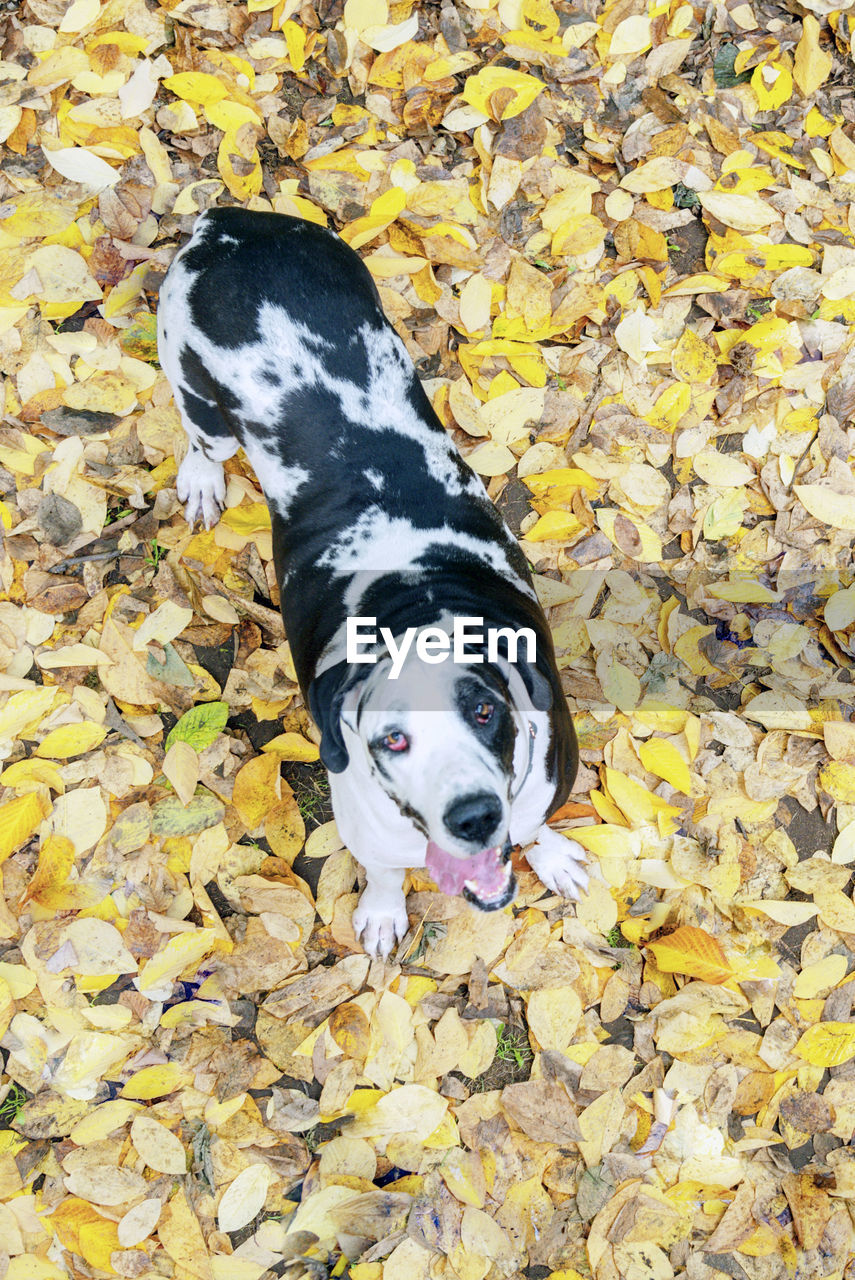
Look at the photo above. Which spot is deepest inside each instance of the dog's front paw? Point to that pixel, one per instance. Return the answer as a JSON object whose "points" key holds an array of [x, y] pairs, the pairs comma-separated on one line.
{"points": [[201, 484], [380, 921], [559, 863]]}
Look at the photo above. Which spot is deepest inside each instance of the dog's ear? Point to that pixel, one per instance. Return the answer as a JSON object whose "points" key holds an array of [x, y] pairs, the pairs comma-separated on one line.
{"points": [[537, 676], [326, 700], [538, 686]]}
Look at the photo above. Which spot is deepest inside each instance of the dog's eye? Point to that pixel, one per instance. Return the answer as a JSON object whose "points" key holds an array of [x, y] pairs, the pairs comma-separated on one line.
{"points": [[396, 741], [484, 713]]}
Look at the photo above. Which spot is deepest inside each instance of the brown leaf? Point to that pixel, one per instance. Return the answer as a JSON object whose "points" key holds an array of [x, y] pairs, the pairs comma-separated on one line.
{"points": [[543, 1110]]}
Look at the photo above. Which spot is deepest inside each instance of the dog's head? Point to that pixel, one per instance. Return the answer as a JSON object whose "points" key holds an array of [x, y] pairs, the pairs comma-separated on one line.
{"points": [[448, 743]]}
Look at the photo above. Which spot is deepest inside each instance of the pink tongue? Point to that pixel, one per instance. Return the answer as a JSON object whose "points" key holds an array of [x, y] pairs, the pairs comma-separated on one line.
{"points": [[485, 869]]}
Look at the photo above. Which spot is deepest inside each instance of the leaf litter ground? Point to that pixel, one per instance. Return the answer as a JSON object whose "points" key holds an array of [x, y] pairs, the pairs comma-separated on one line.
{"points": [[617, 240]]}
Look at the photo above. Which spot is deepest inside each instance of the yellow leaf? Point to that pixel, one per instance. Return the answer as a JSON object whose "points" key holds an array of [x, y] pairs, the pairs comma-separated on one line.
{"points": [[630, 535], [82, 1230], [249, 518], [413, 1110], [701, 282], [27, 775], [475, 298], [620, 685], [156, 1082], [285, 830], [239, 164], [816, 125], [19, 819], [553, 1014], [324, 840], [349, 1028], [663, 759], [181, 1236], [773, 85], [103, 393], [463, 1173], [71, 740], [742, 212], [257, 790], [634, 335], [182, 951], [837, 778], [359, 14], [843, 849], [556, 526], [654, 175], [244, 1198], [578, 235], [839, 736], [694, 952], [164, 625], [59, 275], [629, 38], [743, 592], [514, 92], [692, 360], [24, 711], [295, 38], [723, 517], [788, 913], [670, 407], [812, 64], [722, 469], [229, 116], [383, 212], [561, 484], [834, 509], [661, 715], [634, 800], [181, 768], [79, 15], [293, 746], [827, 1044], [56, 860], [196, 86], [491, 459]]}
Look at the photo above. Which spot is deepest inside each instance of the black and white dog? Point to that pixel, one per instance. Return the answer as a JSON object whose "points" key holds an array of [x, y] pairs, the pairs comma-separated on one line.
{"points": [[271, 333]]}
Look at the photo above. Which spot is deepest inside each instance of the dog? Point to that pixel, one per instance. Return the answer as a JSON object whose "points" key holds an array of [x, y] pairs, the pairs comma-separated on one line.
{"points": [[272, 336]]}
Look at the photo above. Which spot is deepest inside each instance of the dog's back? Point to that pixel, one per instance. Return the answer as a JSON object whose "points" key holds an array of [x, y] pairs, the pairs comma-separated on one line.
{"points": [[272, 335]]}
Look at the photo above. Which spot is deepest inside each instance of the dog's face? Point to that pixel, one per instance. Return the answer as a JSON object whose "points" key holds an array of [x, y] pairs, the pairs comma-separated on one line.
{"points": [[440, 741]]}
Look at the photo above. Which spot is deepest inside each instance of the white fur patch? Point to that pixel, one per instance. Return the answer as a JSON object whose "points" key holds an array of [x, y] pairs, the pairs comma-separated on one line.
{"points": [[378, 542], [280, 483]]}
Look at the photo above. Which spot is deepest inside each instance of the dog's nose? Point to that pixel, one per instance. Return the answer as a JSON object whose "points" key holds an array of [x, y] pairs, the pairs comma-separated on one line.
{"points": [[474, 817]]}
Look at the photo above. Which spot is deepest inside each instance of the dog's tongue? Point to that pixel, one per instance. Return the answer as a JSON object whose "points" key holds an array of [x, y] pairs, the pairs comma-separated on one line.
{"points": [[450, 874]]}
